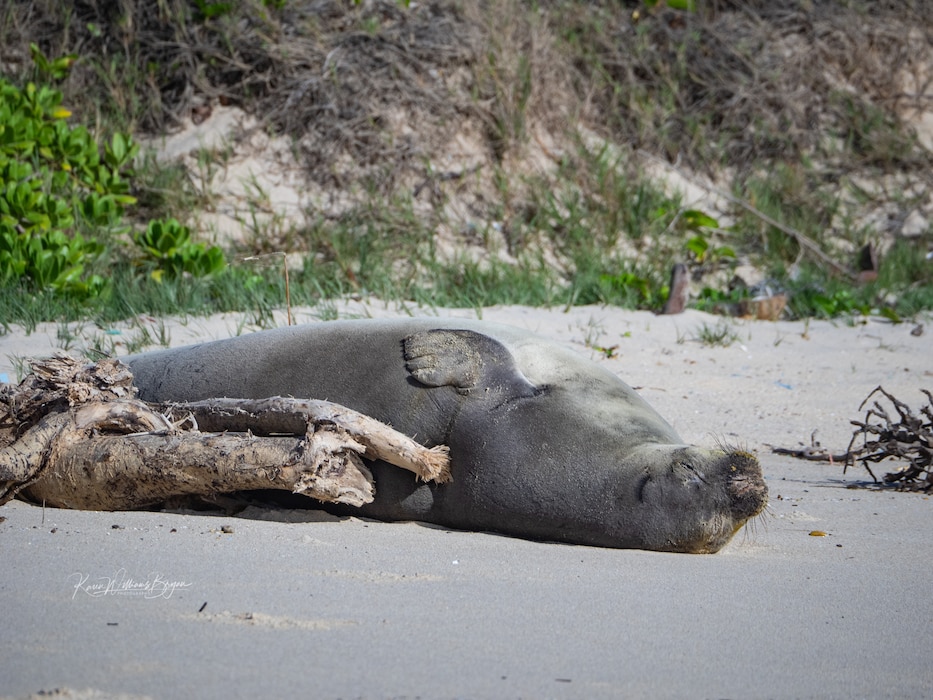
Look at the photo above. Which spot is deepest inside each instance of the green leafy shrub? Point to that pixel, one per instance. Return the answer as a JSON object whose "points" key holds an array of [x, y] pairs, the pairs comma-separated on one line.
{"points": [[626, 288], [50, 260], [698, 245], [168, 245], [821, 303], [55, 185]]}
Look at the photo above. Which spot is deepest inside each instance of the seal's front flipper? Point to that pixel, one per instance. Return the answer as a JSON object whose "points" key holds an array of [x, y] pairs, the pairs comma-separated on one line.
{"points": [[468, 361]]}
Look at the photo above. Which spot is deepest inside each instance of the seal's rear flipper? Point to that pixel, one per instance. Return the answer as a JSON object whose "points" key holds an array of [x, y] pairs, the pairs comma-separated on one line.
{"points": [[468, 361]]}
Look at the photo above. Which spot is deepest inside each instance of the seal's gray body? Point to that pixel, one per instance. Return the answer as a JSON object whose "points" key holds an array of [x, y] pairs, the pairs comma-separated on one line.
{"points": [[543, 443]]}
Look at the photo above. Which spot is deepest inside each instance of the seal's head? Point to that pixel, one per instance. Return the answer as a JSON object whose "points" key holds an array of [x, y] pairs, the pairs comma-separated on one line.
{"points": [[686, 499]]}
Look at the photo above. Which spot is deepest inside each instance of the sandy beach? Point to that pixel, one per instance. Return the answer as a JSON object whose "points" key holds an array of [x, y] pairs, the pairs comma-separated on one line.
{"points": [[303, 604]]}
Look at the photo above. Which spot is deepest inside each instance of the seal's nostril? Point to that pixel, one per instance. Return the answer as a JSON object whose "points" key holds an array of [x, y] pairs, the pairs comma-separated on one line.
{"points": [[747, 489], [749, 494]]}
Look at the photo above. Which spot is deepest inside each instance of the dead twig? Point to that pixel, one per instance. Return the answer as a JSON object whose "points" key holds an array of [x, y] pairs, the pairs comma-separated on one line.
{"points": [[810, 454]]}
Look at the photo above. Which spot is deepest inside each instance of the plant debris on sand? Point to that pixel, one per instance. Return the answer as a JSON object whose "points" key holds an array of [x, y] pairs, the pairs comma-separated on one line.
{"points": [[905, 436]]}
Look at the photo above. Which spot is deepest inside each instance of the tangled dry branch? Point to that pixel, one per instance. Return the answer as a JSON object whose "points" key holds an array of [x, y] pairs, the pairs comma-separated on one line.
{"points": [[897, 434]]}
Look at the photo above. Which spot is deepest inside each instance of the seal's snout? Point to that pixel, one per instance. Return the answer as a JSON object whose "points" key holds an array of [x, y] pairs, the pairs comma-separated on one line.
{"points": [[746, 485]]}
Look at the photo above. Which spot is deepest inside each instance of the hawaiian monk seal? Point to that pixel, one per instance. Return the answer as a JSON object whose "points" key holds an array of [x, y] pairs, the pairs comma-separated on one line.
{"points": [[544, 443]]}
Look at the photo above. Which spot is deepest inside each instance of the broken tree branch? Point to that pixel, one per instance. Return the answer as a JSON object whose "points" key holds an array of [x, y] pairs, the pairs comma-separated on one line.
{"points": [[72, 436], [907, 437], [282, 415]]}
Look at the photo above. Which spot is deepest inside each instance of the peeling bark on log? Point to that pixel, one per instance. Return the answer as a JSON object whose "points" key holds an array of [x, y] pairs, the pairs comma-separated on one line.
{"points": [[72, 438], [115, 472]]}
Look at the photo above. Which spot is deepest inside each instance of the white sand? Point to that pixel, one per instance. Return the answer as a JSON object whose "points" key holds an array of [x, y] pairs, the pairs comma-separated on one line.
{"points": [[300, 604]]}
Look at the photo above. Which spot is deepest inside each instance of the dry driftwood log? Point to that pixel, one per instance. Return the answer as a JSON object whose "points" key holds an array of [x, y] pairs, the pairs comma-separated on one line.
{"points": [[73, 436]]}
